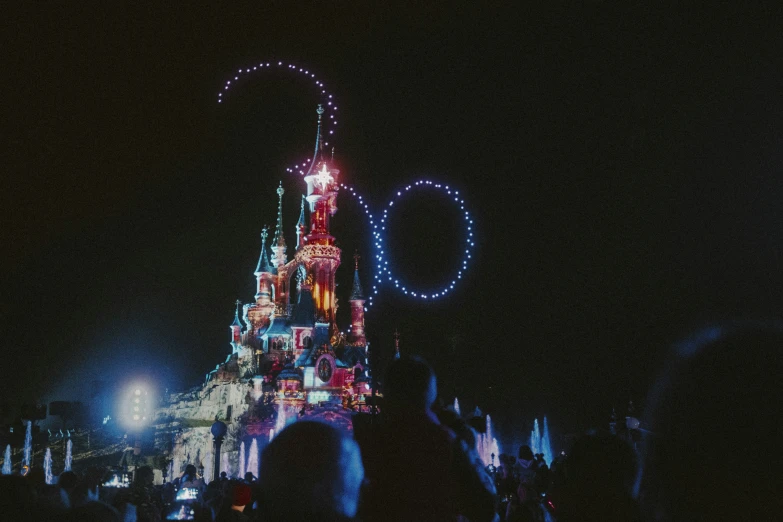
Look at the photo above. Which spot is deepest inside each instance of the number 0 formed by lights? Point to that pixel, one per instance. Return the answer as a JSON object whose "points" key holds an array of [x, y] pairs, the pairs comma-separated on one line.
{"points": [[379, 226]]}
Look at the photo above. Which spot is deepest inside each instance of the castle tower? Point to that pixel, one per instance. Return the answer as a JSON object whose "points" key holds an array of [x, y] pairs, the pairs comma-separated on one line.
{"points": [[279, 258], [396, 344], [236, 329], [264, 273], [357, 308], [278, 241], [301, 227], [321, 179]]}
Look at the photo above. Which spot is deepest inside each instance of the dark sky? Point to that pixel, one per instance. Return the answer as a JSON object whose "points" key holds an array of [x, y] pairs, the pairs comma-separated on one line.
{"points": [[623, 166]]}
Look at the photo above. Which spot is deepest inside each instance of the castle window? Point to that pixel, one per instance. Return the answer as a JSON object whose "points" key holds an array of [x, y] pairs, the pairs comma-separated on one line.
{"points": [[307, 343]]}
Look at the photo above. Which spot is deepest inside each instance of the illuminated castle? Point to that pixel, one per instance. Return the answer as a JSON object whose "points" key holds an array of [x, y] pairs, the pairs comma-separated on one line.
{"points": [[291, 325], [289, 358], [296, 298]]}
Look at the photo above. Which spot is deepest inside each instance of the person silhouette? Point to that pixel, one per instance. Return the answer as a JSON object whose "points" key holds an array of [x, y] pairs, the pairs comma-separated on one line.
{"points": [[322, 484], [417, 469], [714, 417]]}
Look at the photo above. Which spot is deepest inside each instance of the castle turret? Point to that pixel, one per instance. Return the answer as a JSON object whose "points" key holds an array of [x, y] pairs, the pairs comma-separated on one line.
{"points": [[278, 241], [396, 344], [301, 227], [236, 329], [321, 181], [357, 307], [265, 275]]}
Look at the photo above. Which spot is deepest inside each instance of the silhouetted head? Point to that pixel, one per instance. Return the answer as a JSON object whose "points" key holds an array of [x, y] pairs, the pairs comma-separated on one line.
{"points": [[36, 477], [223, 475], [144, 476], [190, 470], [525, 453], [461, 429], [67, 480], [715, 415], [310, 470], [410, 384], [249, 476]]}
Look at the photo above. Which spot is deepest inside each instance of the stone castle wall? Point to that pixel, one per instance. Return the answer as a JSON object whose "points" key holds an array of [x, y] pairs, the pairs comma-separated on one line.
{"points": [[183, 423]]}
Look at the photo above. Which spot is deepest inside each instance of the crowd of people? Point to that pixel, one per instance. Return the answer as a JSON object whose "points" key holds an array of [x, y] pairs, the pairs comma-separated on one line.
{"points": [[711, 455]]}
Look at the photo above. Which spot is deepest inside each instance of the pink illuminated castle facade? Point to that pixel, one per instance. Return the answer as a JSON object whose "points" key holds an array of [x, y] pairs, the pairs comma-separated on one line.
{"points": [[286, 343]]}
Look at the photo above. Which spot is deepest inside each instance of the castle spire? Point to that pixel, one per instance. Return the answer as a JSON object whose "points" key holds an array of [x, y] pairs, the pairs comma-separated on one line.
{"points": [[236, 329], [322, 188], [263, 261], [278, 241], [396, 344], [279, 225], [318, 154], [301, 226], [356, 292], [301, 221], [236, 315], [357, 336]]}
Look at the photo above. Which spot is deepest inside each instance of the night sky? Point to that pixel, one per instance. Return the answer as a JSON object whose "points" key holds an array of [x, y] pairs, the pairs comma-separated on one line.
{"points": [[624, 168]]}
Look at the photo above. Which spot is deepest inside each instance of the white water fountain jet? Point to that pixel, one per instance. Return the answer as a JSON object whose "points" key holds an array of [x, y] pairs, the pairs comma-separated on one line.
{"points": [[241, 466], [28, 444], [535, 438], [68, 455], [546, 446], [252, 458], [48, 466], [7, 460], [171, 471], [487, 445], [281, 419], [271, 434], [456, 406], [209, 469], [176, 468]]}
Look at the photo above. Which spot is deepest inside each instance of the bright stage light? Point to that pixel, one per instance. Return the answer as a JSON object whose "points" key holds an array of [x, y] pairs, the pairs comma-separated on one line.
{"points": [[136, 406]]}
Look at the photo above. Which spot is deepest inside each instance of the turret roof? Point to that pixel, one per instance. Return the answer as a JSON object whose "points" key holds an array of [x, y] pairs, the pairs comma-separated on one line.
{"points": [[289, 373], [318, 155], [304, 312], [279, 326], [264, 266], [236, 316], [356, 291]]}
